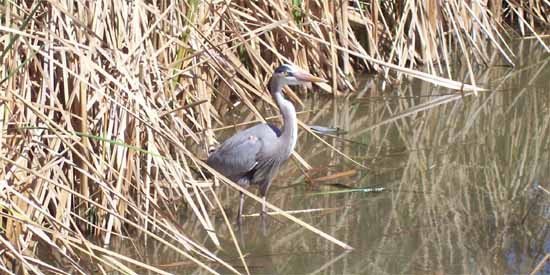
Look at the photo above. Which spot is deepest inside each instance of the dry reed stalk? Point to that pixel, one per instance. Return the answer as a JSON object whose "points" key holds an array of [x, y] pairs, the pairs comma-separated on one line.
{"points": [[103, 102]]}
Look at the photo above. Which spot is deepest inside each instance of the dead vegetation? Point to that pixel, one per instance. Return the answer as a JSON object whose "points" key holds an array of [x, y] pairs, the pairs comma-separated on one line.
{"points": [[107, 105]]}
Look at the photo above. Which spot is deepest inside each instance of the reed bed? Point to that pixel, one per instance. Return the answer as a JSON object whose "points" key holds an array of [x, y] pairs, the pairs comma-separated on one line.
{"points": [[108, 107]]}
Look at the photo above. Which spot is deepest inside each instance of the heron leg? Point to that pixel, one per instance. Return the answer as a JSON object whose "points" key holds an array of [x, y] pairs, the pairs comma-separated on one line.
{"points": [[263, 206], [264, 224], [263, 193], [240, 214], [262, 215]]}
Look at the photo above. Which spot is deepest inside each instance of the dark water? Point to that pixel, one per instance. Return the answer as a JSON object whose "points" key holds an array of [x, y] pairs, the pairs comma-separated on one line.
{"points": [[463, 182]]}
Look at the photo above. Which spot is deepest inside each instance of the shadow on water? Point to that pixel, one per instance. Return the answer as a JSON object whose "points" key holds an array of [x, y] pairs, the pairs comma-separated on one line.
{"points": [[463, 182]]}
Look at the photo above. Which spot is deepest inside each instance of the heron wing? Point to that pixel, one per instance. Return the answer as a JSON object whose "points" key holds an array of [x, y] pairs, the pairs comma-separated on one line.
{"points": [[242, 152]]}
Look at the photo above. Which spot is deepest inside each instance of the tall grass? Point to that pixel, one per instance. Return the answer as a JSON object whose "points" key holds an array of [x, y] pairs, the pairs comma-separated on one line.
{"points": [[106, 106]]}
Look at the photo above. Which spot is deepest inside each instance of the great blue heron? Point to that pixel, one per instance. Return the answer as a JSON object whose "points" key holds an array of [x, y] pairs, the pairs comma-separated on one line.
{"points": [[254, 156]]}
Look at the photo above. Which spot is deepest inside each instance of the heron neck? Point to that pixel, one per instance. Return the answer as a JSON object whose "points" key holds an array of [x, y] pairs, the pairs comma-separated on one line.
{"points": [[289, 133]]}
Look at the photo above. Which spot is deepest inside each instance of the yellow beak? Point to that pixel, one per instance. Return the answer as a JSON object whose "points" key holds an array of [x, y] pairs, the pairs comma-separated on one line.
{"points": [[303, 76]]}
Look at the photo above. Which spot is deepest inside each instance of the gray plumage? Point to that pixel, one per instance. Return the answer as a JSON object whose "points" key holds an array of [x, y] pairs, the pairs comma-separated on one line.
{"points": [[254, 156]]}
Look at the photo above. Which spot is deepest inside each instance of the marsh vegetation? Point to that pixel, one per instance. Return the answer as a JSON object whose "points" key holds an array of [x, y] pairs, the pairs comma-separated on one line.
{"points": [[108, 107]]}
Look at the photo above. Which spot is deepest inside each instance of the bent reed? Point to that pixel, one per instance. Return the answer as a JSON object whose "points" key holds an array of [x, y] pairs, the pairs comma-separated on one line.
{"points": [[108, 107]]}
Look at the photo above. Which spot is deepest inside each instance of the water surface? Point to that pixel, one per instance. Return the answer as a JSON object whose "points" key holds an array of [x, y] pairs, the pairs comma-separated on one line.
{"points": [[463, 182]]}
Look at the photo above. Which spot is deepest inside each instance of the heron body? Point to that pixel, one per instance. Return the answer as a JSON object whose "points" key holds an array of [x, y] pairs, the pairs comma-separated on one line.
{"points": [[254, 156]]}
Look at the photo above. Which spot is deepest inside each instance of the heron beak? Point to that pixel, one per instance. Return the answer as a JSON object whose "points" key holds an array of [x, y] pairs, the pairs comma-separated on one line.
{"points": [[306, 77]]}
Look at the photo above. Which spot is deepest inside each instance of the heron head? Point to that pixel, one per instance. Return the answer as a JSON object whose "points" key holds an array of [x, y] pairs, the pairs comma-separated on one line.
{"points": [[290, 75]]}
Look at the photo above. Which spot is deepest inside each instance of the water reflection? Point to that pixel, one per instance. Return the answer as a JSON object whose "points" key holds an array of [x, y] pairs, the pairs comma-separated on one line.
{"points": [[463, 182], [462, 177]]}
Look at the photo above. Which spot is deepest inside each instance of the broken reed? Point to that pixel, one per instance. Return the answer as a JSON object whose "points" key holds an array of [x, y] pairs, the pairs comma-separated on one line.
{"points": [[106, 105]]}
